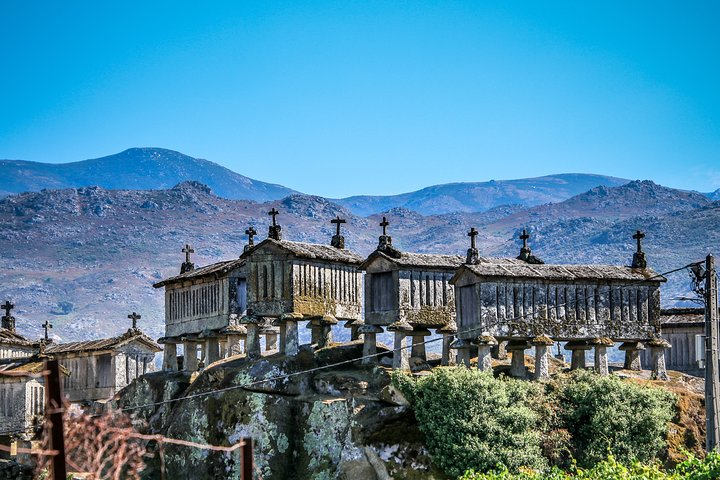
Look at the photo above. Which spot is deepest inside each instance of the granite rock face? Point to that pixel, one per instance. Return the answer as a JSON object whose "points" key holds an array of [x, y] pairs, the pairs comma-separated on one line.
{"points": [[334, 423]]}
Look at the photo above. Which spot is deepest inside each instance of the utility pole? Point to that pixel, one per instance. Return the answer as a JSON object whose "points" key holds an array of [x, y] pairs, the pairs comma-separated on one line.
{"points": [[712, 367], [246, 454], [54, 410]]}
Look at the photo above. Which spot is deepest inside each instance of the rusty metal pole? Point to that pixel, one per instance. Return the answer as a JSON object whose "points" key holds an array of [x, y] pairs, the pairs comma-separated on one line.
{"points": [[54, 410], [246, 453]]}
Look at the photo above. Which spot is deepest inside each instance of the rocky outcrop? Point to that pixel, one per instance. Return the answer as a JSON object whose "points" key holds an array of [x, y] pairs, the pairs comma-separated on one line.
{"points": [[344, 422]]}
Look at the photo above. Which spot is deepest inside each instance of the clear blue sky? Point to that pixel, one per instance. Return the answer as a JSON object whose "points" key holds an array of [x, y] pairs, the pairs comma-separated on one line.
{"points": [[339, 98]]}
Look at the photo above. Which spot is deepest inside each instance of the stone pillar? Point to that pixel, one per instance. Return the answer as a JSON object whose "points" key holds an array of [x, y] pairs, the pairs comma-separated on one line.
{"points": [[578, 349], [463, 351], [418, 343], [448, 335], [170, 362], [292, 341], [354, 325], [499, 352], [657, 353], [485, 342], [271, 339], [543, 345], [252, 341], [369, 333], [315, 333], [282, 326], [325, 330], [517, 361], [632, 355], [190, 359], [233, 345], [601, 356], [212, 350], [401, 355]]}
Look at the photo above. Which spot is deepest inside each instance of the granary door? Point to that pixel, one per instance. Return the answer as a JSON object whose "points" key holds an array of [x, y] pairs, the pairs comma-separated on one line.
{"points": [[468, 306], [242, 295]]}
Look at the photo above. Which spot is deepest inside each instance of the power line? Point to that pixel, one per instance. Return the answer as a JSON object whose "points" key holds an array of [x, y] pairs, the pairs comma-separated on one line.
{"points": [[364, 357]]}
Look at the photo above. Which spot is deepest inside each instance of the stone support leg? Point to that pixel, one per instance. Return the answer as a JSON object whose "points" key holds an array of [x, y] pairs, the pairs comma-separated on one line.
{"points": [[485, 358], [601, 360], [292, 341], [447, 355], [271, 341], [354, 334], [326, 336], [283, 337], [499, 352], [190, 359], [658, 363], [252, 341], [542, 362], [170, 363], [632, 355], [463, 356], [401, 356], [517, 361], [369, 348], [314, 333], [212, 351], [233, 345], [418, 347]]}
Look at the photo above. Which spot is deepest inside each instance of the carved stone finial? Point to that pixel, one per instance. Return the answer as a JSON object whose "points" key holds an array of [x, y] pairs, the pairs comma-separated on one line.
{"points": [[187, 266], [47, 326], [134, 317], [8, 321], [639, 260], [385, 241], [525, 252], [275, 230], [338, 241], [250, 232], [473, 256]]}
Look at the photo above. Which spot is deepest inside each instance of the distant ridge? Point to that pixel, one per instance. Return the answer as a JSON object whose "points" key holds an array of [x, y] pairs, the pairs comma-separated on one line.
{"points": [[135, 169], [482, 196]]}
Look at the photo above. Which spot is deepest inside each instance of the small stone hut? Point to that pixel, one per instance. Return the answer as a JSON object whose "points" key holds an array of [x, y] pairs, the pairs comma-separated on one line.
{"points": [[409, 294], [99, 368], [22, 395], [528, 303], [202, 309], [684, 329], [294, 281]]}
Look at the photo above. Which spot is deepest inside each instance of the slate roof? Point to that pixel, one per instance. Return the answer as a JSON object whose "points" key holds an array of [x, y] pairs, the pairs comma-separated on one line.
{"points": [[25, 367], [103, 343], [312, 251], [519, 269], [215, 269], [12, 338], [680, 317], [418, 260]]}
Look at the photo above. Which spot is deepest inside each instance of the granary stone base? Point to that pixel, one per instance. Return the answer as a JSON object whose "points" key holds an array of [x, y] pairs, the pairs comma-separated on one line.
{"points": [[632, 355]]}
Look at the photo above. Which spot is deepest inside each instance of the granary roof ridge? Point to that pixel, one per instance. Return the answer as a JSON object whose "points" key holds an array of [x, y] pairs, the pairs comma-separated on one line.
{"points": [[13, 338], [682, 316], [313, 251], [27, 366], [103, 343], [217, 268], [420, 260], [521, 269]]}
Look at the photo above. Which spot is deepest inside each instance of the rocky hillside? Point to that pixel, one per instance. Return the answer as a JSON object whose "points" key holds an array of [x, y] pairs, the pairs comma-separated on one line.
{"points": [[86, 257], [137, 169]]}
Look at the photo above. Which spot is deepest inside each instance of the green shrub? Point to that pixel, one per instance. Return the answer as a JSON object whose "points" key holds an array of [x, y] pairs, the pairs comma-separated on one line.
{"points": [[607, 415], [472, 420], [696, 469]]}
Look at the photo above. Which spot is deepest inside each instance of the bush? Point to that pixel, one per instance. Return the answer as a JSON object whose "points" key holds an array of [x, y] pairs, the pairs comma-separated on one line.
{"points": [[472, 420], [607, 415]]}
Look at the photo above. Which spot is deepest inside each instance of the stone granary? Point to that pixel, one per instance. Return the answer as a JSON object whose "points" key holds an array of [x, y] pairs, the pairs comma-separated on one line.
{"points": [[99, 368], [684, 329], [12, 344], [294, 281], [22, 395], [528, 303], [202, 308], [409, 294]]}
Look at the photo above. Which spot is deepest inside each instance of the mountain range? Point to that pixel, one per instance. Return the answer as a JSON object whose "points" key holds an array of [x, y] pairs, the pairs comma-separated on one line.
{"points": [[84, 257]]}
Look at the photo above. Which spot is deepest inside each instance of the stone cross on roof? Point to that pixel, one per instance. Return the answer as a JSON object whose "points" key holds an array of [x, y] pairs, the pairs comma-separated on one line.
{"points": [[7, 306], [639, 235], [274, 214], [8, 321], [250, 232], [338, 241], [524, 237], [385, 243], [337, 221], [47, 326], [275, 230], [473, 257], [472, 234], [384, 225], [187, 266], [639, 260], [134, 317]]}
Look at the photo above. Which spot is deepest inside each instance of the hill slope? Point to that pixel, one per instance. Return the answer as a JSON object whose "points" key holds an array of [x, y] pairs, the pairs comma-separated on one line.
{"points": [[137, 169]]}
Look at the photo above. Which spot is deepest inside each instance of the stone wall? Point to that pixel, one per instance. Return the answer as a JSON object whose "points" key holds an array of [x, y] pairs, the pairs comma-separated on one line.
{"points": [[21, 399]]}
